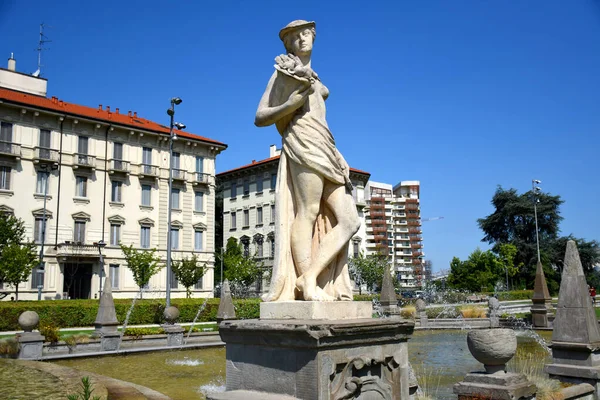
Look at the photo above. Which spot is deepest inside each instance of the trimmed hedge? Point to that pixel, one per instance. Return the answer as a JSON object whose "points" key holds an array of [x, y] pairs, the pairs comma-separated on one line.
{"points": [[82, 313], [513, 295]]}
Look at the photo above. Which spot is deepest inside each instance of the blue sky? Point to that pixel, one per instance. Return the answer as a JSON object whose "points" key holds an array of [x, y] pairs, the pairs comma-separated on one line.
{"points": [[461, 95]]}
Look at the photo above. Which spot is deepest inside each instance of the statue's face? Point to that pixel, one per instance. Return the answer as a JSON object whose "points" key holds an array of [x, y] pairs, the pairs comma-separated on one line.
{"points": [[301, 41]]}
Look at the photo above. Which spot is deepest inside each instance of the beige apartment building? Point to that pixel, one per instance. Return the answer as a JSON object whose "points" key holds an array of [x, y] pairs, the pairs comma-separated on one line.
{"points": [[102, 175], [248, 195], [393, 220]]}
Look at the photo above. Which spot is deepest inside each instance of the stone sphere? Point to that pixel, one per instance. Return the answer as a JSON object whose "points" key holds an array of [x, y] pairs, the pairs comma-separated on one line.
{"points": [[171, 314], [420, 305], [29, 320], [492, 347], [493, 303]]}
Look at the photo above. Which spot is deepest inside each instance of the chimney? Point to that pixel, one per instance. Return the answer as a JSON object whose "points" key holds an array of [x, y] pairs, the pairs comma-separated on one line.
{"points": [[129, 113], [135, 114], [12, 63], [100, 107], [108, 108], [54, 99], [273, 151], [117, 110]]}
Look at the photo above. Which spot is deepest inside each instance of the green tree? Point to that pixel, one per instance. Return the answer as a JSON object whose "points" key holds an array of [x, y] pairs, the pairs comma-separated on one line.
{"points": [[17, 256], [368, 270], [142, 263], [480, 271], [238, 268], [513, 222], [188, 271]]}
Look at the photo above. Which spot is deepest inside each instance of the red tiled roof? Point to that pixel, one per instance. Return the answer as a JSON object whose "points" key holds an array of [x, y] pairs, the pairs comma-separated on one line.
{"points": [[98, 114], [267, 160]]}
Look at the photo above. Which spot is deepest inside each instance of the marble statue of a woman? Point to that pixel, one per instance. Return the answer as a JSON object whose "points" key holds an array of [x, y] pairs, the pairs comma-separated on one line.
{"points": [[315, 213]]}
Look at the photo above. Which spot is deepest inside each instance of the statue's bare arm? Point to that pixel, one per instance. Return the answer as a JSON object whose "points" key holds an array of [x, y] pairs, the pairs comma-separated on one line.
{"points": [[266, 115]]}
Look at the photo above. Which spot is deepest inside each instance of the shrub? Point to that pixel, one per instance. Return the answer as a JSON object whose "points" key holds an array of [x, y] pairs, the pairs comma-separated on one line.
{"points": [[443, 312], [409, 312], [513, 295], [50, 331], [82, 313], [473, 312], [9, 347], [137, 333]]}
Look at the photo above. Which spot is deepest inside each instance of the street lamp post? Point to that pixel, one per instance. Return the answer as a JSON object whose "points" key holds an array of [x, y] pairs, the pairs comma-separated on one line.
{"points": [[101, 244], [536, 190], [172, 137]]}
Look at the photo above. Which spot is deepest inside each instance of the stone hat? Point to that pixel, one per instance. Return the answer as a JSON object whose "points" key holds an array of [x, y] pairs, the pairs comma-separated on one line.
{"points": [[292, 26]]}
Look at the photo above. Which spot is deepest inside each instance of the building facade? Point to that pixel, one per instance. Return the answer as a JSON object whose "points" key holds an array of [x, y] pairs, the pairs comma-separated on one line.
{"points": [[393, 223], [85, 180], [248, 196]]}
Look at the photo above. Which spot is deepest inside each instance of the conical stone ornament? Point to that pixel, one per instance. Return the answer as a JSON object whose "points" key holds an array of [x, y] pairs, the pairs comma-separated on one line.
{"points": [[226, 310], [388, 294], [106, 319], [575, 317], [540, 288]]}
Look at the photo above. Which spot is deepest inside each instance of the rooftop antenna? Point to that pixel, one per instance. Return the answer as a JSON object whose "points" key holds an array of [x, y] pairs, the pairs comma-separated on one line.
{"points": [[43, 40]]}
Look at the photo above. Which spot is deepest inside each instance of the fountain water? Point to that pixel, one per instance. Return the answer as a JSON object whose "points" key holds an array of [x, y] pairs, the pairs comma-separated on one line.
{"points": [[200, 309], [139, 295]]}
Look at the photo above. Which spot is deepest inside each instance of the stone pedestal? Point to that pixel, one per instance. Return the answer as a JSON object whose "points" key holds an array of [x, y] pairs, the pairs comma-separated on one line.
{"points": [[174, 335], [498, 386], [423, 319], [109, 341], [31, 345], [317, 359], [542, 301], [314, 310]]}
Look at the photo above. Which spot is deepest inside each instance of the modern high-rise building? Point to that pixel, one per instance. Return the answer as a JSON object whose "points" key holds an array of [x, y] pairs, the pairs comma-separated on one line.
{"points": [[81, 178], [248, 196], [393, 221]]}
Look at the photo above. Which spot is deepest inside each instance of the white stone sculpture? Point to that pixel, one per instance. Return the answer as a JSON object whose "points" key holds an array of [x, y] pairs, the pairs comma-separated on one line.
{"points": [[315, 213]]}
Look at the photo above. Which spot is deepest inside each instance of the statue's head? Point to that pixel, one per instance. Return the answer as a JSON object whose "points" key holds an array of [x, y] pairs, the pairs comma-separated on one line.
{"points": [[298, 37]]}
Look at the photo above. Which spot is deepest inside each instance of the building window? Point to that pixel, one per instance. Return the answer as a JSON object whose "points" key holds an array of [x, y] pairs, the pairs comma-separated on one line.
{"points": [[38, 230], [246, 245], [81, 186], [79, 236], [198, 240], [145, 237], [259, 216], [6, 129], [272, 213], [273, 181], [259, 185], [246, 218], [355, 249], [115, 192], [5, 178], [233, 223], [45, 144], [175, 198], [117, 151], [246, 187], [146, 195], [199, 201], [233, 189], [272, 248], [115, 234], [175, 161], [199, 164], [258, 241], [37, 276], [147, 160], [174, 238], [114, 275], [41, 185], [173, 281], [198, 285], [82, 145]]}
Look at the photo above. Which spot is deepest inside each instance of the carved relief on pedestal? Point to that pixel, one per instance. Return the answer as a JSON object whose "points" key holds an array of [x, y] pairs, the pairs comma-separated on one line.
{"points": [[363, 378]]}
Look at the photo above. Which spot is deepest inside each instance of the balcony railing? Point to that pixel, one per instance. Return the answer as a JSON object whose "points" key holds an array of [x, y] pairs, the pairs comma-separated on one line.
{"points": [[416, 246], [118, 166], [10, 149], [202, 178], [415, 230], [148, 170], [42, 154], [417, 254], [81, 160], [77, 249], [416, 238], [379, 229], [178, 174], [380, 237], [414, 223]]}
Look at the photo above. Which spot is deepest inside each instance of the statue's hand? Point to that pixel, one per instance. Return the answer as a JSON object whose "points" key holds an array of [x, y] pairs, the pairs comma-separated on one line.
{"points": [[298, 97]]}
